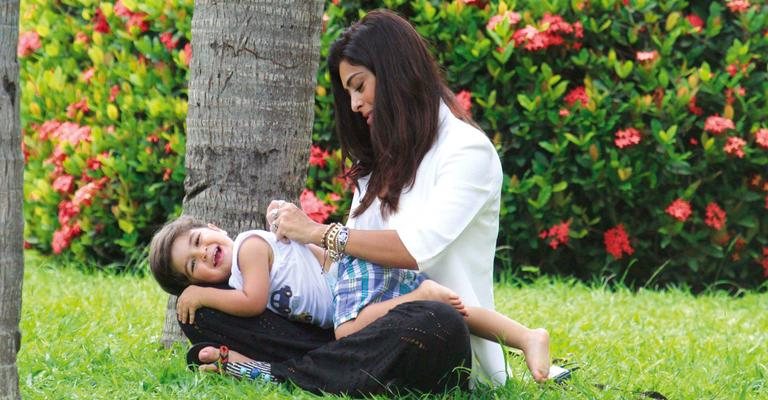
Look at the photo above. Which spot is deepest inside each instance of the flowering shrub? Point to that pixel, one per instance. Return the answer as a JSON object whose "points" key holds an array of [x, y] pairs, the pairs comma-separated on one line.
{"points": [[103, 110], [632, 132]]}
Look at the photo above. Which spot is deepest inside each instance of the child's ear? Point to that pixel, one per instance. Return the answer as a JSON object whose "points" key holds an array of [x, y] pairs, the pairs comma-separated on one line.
{"points": [[216, 228]]}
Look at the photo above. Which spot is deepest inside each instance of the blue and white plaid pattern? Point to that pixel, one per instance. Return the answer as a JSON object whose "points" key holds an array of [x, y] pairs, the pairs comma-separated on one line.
{"points": [[361, 283]]}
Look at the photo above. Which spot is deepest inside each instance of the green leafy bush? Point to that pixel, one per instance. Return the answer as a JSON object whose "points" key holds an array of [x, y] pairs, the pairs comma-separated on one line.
{"points": [[103, 111], [632, 133]]}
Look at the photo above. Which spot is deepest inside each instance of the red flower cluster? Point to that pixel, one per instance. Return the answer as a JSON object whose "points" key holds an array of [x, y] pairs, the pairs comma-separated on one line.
{"points": [[552, 32], [627, 138], [87, 75], [67, 211], [29, 42], [113, 92], [716, 124], [318, 157], [696, 22], [715, 216], [679, 210], [82, 38], [63, 183], [186, 54], [761, 138], [647, 56], [734, 146], [558, 234], [733, 69], [63, 236], [577, 94], [511, 17], [100, 23], [617, 242], [314, 208], [137, 19], [693, 108], [738, 6], [464, 98], [729, 94], [85, 195], [475, 3], [81, 105], [166, 38]]}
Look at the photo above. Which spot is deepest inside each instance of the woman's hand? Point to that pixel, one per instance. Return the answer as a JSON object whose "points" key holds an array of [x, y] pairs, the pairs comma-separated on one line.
{"points": [[289, 222]]}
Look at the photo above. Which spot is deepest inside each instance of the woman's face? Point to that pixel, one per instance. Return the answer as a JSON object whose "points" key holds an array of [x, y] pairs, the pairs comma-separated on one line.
{"points": [[360, 83]]}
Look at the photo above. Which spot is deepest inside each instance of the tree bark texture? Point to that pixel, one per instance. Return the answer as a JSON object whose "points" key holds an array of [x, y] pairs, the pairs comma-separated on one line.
{"points": [[11, 200], [251, 108]]}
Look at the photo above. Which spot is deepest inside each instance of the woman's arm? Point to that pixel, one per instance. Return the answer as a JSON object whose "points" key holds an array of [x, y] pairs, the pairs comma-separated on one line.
{"points": [[255, 259], [382, 247]]}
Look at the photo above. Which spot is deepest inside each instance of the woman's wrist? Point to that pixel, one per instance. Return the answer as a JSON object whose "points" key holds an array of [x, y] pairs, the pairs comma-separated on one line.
{"points": [[318, 234]]}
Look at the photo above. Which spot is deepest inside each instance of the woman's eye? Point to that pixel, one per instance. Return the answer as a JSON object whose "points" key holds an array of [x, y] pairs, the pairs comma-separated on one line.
{"points": [[359, 88], [193, 265], [197, 240]]}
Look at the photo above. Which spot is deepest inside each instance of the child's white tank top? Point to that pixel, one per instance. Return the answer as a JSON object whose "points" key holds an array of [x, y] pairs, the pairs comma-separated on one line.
{"points": [[298, 289]]}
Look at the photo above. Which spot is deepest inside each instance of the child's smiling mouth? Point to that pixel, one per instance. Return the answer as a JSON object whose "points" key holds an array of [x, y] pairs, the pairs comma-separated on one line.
{"points": [[217, 254]]}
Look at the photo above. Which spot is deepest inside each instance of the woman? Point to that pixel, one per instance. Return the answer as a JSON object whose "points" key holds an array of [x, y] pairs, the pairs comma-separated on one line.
{"points": [[427, 181], [427, 184]]}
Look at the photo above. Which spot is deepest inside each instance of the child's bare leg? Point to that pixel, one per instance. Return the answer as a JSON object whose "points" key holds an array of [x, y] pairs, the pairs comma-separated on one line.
{"points": [[428, 290], [494, 326]]}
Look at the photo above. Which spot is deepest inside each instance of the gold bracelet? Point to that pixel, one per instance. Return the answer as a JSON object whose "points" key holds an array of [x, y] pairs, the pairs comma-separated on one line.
{"points": [[330, 241], [324, 240]]}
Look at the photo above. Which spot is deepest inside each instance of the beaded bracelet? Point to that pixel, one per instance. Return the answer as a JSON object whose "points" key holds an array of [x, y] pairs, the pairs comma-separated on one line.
{"points": [[335, 240], [324, 241]]}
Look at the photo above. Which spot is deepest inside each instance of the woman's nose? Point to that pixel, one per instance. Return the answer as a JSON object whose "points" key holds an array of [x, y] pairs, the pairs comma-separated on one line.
{"points": [[356, 103]]}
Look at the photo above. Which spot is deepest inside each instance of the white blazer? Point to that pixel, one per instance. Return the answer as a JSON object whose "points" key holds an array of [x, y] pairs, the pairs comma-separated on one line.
{"points": [[449, 221]]}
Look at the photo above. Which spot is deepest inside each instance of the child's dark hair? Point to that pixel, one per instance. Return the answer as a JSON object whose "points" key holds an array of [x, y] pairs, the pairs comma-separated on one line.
{"points": [[160, 254]]}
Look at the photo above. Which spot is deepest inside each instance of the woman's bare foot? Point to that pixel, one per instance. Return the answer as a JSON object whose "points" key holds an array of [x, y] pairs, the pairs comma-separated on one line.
{"points": [[210, 355], [536, 351], [431, 290]]}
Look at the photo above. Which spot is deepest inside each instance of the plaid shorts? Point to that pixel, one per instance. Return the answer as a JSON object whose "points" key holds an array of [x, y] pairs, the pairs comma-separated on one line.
{"points": [[361, 283]]}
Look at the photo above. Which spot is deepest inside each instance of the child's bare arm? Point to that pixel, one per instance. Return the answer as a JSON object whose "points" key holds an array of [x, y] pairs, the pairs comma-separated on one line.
{"points": [[254, 259], [319, 254]]}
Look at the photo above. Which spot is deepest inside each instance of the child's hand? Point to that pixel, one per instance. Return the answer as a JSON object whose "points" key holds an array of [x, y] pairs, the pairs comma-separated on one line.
{"points": [[188, 302]]}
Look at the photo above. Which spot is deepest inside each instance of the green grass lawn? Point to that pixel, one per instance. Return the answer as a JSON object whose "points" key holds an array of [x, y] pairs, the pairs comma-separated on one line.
{"points": [[95, 336]]}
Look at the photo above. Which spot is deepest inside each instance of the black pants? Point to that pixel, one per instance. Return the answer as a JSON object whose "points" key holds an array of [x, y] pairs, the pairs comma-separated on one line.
{"points": [[421, 346]]}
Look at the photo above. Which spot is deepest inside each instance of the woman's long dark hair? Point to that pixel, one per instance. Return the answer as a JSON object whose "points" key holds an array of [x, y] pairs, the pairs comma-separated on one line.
{"points": [[406, 107]]}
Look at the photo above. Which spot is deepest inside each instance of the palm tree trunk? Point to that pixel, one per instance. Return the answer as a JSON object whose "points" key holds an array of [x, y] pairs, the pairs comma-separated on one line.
{"points": [[251, 108], [11, 200]]}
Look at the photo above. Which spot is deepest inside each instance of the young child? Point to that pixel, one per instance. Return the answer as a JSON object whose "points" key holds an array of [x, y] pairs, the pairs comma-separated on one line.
{"points": [[291, 280]]}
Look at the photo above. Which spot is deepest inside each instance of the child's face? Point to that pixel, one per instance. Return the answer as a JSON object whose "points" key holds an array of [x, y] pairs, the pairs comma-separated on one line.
{"points": [[203, 255]]}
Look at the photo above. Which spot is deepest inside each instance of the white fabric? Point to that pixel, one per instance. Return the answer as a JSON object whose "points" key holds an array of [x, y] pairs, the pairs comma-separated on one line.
{"points": [[298, 289], [449, 222]]}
